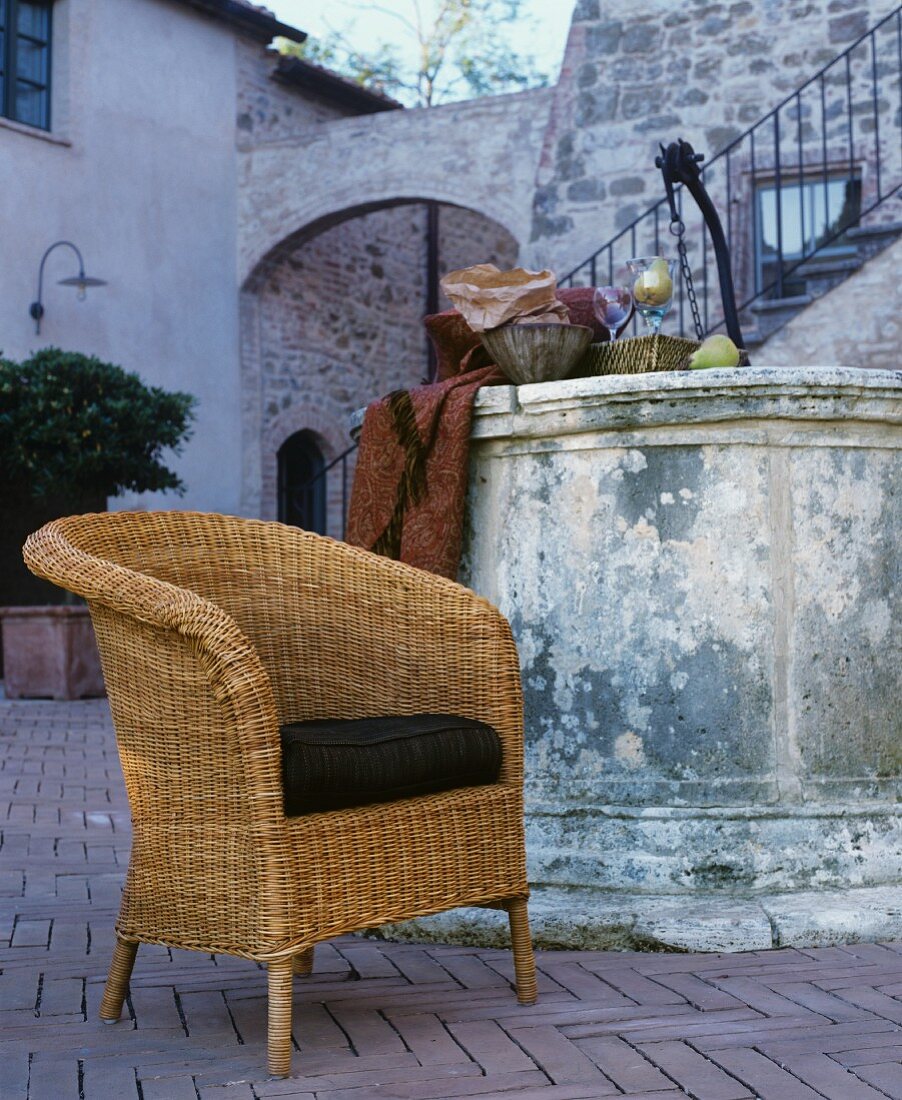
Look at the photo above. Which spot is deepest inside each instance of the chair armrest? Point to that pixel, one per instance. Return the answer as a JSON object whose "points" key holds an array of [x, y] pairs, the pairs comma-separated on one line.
{"points": [[237, 679]]}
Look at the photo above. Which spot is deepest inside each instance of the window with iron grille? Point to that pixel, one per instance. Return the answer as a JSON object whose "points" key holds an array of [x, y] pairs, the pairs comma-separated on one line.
{"points": [[25, 61]]}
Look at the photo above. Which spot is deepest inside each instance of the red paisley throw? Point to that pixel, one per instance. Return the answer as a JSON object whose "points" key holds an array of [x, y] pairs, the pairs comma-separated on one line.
{"points": [[410, 485]]}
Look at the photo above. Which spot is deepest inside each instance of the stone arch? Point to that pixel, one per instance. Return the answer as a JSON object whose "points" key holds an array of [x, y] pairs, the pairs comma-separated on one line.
{"points": [[334, 213], [290, 379], [314, 214], [480, 154]]}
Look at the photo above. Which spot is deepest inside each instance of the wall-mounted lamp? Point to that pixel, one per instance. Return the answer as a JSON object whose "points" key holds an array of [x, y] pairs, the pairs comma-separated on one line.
{"points": [[81, 280]]}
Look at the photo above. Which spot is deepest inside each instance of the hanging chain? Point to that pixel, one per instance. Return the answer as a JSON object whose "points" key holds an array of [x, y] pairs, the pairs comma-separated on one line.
{"points": [[678, 229]]}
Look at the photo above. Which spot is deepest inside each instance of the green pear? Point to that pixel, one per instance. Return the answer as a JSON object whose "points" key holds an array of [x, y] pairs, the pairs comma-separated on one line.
{"points": [[716, 351], [654, 287]]}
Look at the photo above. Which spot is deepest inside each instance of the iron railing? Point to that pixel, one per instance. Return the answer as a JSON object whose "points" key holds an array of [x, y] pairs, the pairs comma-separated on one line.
{"points": [[826, 158]]}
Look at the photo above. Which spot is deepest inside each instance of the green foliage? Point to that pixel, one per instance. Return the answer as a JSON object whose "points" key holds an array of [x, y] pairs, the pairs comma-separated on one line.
{"points": [[461, 50], [71, 424], [380, 71]]}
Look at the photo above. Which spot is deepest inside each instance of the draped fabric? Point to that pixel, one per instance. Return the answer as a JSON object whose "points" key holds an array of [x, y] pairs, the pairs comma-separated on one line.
{"points": [[410, 484]]}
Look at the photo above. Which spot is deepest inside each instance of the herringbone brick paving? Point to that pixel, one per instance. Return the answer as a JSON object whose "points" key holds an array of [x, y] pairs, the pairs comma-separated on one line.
{"points": [[385, 1021]]}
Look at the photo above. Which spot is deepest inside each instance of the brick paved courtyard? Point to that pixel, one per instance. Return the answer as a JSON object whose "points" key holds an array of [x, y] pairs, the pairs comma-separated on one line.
{"points": [[395, 1022]]}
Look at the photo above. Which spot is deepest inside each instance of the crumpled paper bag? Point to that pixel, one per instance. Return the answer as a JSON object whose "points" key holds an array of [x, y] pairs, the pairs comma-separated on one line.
{"points": [[488, 297]]}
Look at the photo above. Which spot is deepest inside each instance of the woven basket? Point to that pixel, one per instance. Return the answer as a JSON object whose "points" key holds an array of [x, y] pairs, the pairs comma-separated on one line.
{"points": [[638, 355]]}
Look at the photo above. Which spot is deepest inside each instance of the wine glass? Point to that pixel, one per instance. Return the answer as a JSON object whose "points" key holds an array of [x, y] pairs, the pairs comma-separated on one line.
{"points": [[652, 288], [612, 306]]}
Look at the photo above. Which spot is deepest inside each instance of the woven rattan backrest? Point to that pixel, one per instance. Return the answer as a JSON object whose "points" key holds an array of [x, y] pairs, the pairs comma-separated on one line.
{"points": [[197, 734], [311, 608]]}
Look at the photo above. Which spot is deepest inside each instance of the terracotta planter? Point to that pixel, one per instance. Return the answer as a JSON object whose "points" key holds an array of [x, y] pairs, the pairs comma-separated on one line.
{"points": [[20, 514], [50, 652]]}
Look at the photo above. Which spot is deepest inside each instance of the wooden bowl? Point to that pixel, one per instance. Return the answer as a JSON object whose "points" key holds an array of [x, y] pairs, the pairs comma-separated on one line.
{"points": [[537, 353]]}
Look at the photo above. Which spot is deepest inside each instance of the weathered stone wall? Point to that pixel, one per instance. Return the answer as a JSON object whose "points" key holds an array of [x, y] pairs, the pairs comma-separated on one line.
{"points": [[857, 324], [700, 577], [480, 155], [339, 320], [268, 110], [701, 70]]}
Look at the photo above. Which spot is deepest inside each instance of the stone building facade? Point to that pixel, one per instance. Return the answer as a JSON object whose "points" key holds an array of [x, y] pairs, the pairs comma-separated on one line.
{"points": [[704, 71], [583, 154], [265, 247]]}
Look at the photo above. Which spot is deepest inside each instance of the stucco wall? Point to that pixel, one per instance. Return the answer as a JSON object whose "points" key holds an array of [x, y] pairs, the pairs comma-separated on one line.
{"points": [[140, 173]]}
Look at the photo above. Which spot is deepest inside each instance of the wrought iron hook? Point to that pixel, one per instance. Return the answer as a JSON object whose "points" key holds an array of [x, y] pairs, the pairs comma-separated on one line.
{"points": [[679, 163]]}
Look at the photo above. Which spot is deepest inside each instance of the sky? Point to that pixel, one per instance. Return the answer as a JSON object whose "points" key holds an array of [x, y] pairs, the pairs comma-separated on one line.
{"points": [[369, 24]]}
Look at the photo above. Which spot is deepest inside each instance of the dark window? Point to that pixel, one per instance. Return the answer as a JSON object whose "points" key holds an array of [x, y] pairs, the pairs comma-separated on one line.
{"points": [[302, 486], [25, 61], [813, 216]]}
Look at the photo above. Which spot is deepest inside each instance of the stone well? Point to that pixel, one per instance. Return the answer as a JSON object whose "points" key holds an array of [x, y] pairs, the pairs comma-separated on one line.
{"points": [[702, 575]]}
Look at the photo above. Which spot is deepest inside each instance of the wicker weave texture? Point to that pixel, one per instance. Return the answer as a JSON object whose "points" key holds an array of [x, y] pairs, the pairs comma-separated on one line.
{"points": [[638, 355], [212, 631]]}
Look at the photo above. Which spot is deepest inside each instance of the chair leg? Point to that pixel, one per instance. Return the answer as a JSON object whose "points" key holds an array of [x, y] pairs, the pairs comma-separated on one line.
{"points": [[303, 962], [279, 1023], [117, 981], [524, 960]]}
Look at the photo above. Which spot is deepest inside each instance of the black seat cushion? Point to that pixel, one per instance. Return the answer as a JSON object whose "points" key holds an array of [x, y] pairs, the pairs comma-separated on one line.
{"points": [[329, 764]]}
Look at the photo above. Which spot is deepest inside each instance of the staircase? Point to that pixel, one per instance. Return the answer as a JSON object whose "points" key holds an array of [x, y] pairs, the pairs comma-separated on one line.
{"points": [[807, 196], [820, 274]]}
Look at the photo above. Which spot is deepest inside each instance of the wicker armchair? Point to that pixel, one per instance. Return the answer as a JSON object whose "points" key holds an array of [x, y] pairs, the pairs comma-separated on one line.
{"points": [[213, 631]]}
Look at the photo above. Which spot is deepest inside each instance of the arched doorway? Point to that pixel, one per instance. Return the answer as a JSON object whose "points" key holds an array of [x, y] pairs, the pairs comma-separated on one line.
{"points": [[302, 486]]}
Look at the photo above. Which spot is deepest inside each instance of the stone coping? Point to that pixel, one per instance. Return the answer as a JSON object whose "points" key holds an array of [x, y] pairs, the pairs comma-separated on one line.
{"points": [[621, 400], [681, 397]]}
